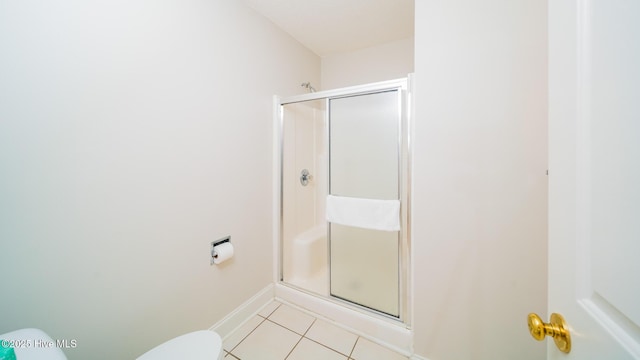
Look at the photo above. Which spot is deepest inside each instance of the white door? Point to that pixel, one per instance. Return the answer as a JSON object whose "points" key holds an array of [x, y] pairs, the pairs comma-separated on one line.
{"points": [[594, 176]]}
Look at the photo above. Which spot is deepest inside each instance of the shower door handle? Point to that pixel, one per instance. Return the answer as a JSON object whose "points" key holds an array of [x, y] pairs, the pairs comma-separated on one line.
{"points": [[305, 177]]}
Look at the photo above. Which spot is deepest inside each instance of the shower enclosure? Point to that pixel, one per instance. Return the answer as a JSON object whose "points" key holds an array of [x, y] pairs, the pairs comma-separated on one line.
{"points": [[344, 190]]}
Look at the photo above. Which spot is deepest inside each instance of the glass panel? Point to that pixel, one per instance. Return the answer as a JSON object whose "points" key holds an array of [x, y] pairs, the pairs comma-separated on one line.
{"points": [[304, 228], [364, 146], [364, 163], [364, 267]]}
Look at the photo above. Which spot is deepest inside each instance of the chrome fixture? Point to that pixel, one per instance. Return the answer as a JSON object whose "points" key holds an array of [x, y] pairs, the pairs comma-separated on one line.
{"points": [[308, 86]]}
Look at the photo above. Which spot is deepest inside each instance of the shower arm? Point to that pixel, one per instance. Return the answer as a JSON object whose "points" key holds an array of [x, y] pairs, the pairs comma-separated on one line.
{"points": [[308, 86]]}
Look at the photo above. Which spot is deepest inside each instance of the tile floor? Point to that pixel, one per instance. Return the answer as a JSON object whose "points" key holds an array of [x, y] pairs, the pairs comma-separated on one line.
{"points": [[282, 332]]}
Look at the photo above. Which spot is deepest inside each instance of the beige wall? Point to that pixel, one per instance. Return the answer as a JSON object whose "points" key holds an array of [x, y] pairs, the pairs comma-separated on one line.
{"points": [[132, 134], [480, 189], [388, 61]]}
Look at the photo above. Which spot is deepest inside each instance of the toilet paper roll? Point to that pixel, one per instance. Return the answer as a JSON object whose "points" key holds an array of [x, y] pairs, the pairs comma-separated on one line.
{"points": [[222, 252]]}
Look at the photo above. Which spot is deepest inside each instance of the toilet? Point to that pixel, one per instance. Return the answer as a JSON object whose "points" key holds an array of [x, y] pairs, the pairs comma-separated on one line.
{"points": [[197, 345], [33, 345]]}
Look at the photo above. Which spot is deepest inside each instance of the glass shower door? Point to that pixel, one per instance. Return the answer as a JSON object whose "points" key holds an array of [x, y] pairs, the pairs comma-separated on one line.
{"points": [[365, 169]]}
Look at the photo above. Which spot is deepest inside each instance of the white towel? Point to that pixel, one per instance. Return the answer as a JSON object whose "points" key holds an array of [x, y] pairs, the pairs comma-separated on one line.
{"points": [[364, 213]]}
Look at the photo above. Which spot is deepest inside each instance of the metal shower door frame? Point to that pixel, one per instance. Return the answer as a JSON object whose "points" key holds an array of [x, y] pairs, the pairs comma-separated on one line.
{"points": [[403, 86]]}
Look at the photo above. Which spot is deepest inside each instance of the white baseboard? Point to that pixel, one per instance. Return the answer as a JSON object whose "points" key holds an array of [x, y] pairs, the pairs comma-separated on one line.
{"points": [[244, 312]]}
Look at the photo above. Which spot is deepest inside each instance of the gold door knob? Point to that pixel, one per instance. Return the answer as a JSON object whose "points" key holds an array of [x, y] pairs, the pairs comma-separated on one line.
{"points": [[556, 328]]}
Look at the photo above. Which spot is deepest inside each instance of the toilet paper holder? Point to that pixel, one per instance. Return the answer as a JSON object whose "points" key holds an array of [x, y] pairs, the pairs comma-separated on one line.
{"points": [[216, 243]]}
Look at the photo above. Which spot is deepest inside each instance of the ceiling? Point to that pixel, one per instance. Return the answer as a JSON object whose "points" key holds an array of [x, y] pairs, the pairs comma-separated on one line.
{"points": [[334, 26]]}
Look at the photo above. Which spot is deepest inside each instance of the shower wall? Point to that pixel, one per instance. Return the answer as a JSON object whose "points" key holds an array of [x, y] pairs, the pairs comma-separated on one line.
{"points": [[304, 249]]}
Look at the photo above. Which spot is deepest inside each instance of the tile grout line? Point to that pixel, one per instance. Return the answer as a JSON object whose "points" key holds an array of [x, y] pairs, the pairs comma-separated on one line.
{"points": [[230, 354], [302, 336], [321, 344], [326, 346], [246, 336], [353, 348], [299, 340], [264, 318], [310, 326], [284, 327]]}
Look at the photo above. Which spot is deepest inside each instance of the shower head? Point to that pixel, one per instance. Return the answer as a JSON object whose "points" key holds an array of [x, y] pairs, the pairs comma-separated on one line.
{"points": [[308, 86]]}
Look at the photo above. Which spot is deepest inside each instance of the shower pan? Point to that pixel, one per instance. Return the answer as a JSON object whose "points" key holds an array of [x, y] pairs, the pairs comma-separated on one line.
{"points": [[343, 229]]}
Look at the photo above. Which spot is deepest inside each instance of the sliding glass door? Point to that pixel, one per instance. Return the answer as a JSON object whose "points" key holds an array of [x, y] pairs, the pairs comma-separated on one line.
{"points": [[365, 170]]}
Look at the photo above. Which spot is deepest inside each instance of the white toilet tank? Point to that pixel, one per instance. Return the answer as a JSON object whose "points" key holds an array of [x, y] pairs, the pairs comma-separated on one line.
{"points": [[198, 345]]}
